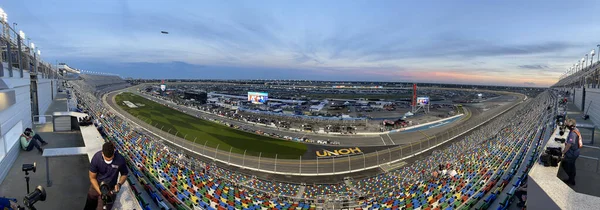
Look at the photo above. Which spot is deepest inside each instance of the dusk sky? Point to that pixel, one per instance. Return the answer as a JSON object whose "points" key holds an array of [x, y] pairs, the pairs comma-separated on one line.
{"points": [[507, 42]]}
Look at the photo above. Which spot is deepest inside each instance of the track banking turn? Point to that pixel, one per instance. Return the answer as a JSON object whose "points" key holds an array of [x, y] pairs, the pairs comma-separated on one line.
{"points": [[371, 157]]}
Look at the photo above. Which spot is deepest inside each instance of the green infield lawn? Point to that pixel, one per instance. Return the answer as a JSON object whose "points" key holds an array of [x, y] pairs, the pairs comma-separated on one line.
{"points": [[208, 132]]}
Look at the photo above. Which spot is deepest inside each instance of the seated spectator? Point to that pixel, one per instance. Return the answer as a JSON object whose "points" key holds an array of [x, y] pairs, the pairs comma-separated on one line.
{"points": [[521, 193], [29, 140], [85, 121]]}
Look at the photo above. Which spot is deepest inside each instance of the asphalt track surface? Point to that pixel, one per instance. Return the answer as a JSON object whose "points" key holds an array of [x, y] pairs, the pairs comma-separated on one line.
{"points": [[368, 162]]}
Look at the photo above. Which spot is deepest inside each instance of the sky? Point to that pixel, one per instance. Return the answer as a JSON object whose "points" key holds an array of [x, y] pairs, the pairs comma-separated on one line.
{"points": [[508, 42]]}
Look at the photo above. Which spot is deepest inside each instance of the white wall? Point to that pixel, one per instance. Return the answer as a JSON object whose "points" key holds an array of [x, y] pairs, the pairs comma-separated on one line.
{"points": [[55, 88], [44, 95], [593, 95], [16, 117]]}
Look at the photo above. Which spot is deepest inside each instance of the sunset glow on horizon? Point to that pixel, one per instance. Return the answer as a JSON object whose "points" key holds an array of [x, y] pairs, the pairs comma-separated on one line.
{"points": [[501, 43]]}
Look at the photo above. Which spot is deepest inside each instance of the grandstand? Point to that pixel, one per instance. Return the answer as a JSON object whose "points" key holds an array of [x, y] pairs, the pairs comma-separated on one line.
{"points": [[482, 169], [101, 84]]}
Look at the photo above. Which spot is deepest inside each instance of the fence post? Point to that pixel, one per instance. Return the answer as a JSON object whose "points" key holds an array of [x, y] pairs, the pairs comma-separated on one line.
{"points": [[333, 167], [377, 152], [429, 142], [195, 140], [244, 158], [204, 149], [169, 131], [275, 163], [364, 161], [349, 163], [259, 155], [300, 164], [161, 128], [401, 149], [176, 133], [217, 148], [317, 165], [185, 136], [229, 158], [390, 153]]}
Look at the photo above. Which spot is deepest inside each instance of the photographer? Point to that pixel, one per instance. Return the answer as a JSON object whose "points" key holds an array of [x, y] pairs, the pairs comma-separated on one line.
{"points": [[105, 167], [29, 140], [571, 151]]}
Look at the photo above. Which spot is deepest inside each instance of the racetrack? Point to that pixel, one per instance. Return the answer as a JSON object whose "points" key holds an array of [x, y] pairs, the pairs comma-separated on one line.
{"points": [[375, 156]]}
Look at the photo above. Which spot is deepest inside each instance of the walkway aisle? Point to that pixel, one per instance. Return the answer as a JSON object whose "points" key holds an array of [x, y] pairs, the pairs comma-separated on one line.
{"points": [[300, 192], [349, 184]]}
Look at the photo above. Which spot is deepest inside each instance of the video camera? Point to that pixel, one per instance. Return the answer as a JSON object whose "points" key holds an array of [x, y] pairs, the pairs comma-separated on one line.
{"points": [[29, 167], [106, 194]]}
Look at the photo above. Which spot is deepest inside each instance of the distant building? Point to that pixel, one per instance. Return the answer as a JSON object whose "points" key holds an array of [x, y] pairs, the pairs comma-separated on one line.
{"points": [[199, 97]]}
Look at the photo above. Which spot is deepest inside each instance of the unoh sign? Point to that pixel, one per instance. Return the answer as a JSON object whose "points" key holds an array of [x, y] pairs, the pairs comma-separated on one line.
{"points": [[338, 152]]}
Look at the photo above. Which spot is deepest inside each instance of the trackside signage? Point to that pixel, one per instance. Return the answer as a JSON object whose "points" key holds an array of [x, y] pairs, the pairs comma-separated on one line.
{"points": [[338, 152]]}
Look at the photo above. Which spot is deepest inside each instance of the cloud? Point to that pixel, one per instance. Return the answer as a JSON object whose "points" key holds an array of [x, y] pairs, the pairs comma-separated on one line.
{"points": [[536, 66], [529, 83]]}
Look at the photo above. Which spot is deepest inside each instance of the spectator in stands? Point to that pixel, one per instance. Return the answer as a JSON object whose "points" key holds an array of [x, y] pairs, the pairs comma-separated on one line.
{"points": [[521, 193], [29, 139], [571, 151], [7, 203], [105, 167]]}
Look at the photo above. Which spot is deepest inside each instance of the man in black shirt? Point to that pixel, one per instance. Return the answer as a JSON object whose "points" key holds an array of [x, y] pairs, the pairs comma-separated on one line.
{"points": [[105, 167]]}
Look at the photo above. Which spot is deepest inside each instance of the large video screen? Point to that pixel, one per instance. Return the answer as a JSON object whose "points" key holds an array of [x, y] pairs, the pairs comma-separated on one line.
{"points": [[422, 101], [258, 97]]}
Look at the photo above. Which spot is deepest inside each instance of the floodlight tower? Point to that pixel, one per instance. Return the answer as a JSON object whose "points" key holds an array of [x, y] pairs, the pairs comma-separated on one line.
{"points": [[4, 22], [592, 56], [598, 52]]}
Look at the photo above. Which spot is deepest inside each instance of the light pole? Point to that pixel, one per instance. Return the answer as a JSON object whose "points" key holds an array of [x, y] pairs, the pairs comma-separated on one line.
{"points": [[598, 52], [585, 60], [592, 56]]}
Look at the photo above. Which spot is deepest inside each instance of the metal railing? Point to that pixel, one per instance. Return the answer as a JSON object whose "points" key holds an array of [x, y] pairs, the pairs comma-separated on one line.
{"points": [[18, 52], [42, 119]]}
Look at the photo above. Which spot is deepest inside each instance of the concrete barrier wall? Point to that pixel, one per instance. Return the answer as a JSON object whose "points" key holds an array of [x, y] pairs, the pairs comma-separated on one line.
{"points": [[578, 97], [54, 88], [13, 120], [593, 109], [44, 95]]}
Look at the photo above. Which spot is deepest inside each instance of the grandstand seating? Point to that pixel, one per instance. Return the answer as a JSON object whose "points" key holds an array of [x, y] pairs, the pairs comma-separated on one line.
{"points": [[103, 83], [483, 163]]}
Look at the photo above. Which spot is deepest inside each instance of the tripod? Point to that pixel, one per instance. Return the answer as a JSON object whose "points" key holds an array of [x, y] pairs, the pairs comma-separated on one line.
{"points": [[27, 180]]}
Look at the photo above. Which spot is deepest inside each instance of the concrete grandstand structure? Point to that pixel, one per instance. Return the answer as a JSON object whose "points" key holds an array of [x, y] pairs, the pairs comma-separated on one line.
{"points": [[27, 87]]}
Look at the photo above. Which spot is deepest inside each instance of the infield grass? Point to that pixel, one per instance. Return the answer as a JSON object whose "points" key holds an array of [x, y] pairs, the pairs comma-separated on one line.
{"points": [[207, 132]]}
